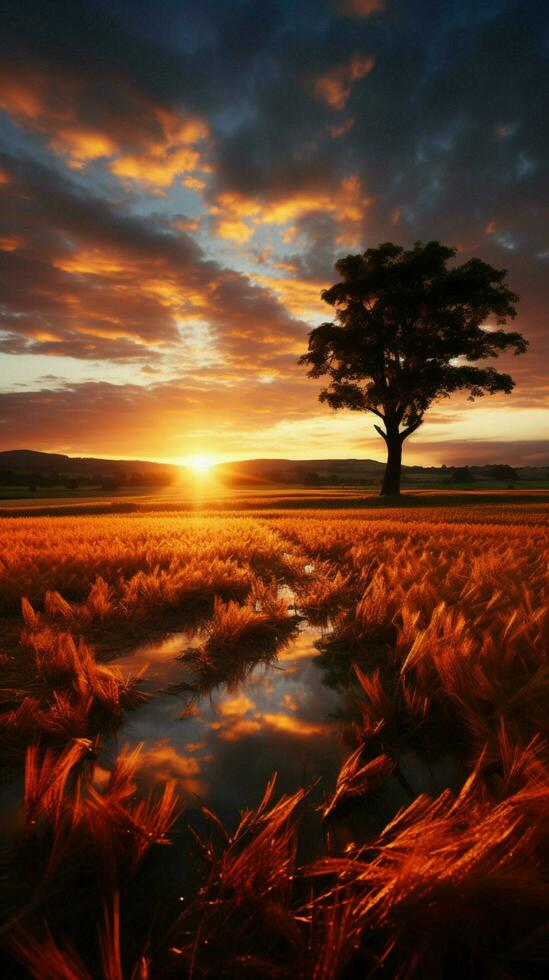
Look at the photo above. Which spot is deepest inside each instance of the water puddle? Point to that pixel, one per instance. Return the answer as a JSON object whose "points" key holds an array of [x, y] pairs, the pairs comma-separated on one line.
{"points": [[221, 742], [223, 746], [284, 714]]}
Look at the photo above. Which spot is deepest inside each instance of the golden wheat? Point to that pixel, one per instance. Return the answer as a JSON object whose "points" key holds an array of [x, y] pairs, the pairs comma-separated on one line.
{"points": [[439, 634]]}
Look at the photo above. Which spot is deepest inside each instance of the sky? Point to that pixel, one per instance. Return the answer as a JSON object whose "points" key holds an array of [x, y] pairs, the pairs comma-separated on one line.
{"points": [[178, 180]]}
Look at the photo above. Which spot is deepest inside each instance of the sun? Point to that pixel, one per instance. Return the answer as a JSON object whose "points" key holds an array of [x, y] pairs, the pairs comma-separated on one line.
{"points": [[200, 464]]}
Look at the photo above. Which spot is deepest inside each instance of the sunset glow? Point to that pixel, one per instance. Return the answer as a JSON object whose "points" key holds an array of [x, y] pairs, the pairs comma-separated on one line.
{"points": [[200, 465], [184, 241], [274, 489]]}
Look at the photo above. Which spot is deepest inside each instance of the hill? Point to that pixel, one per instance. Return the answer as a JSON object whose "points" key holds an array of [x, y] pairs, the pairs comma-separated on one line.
{"points": [[312, 472], [28, 468]]}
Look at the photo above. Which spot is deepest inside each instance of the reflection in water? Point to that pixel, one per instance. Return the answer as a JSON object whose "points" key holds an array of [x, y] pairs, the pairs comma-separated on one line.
{"points": [[279, 713], [223, 745]]}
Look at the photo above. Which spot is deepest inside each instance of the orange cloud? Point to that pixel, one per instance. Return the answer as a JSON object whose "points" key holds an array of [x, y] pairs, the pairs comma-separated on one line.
{"points": [[236, 706], [334, 88], [165, 756], [163, 762], [109, 286], [300, 297], [234, 726], [42, 104], [92, 262], [347, 202], [112, 285], [234, 230], [80, 146], [159, 161], [150, 144], [232, 212], [293, 725], [45, 336], [238, 217], [239, 728], [194, 183]]}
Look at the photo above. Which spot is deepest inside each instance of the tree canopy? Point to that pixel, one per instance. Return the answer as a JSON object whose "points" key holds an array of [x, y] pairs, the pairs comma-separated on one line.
{"points": [[408, 330]]}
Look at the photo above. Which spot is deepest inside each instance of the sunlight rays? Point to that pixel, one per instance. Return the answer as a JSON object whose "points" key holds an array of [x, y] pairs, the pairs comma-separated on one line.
{"points": [[200, 464]]}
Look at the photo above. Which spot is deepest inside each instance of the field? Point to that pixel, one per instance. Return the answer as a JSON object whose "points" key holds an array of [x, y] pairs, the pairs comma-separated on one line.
{"points": [[276, 742]]}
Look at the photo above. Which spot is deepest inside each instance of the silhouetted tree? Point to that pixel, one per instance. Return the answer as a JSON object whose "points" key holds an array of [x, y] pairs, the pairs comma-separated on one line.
{"points": [[403, 319]]}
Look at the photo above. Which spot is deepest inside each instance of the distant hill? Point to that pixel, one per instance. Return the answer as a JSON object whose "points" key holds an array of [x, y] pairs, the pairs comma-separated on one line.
{"points": [[29, 459], [299, 471], [26, 467], [368, 472]]}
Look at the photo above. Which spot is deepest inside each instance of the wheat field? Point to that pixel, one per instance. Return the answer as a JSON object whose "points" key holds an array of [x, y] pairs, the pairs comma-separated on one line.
{"points": [[434, 626]]}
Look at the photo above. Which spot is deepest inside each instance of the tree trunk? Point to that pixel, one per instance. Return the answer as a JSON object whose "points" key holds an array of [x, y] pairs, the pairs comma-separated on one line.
{"points": [[391, 480]]}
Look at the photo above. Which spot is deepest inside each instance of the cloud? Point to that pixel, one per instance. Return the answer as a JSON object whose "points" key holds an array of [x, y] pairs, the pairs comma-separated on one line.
{"points": [[173, 418], [245, 417], [300, 296], [335, 86], [175, 150], [294, 726], [89, 279], [177, 185], [161, 762], [237, 217], [95, 109]]}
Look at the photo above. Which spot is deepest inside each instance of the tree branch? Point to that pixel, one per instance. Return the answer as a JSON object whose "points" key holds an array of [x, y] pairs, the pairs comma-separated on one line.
{"points": [[381, 432], [410, 428]]}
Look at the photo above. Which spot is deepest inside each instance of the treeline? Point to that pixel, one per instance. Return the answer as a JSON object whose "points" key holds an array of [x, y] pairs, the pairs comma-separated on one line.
{"points": [[33, 480], [334, 473], [468, 474], [441, 474]]}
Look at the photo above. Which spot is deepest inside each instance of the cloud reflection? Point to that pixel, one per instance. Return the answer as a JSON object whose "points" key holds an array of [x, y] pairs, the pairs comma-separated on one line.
{"points": [[277, 720]]}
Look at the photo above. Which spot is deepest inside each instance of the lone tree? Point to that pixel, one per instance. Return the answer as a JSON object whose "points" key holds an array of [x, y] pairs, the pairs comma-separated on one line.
{"points": [[405, 324]]}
